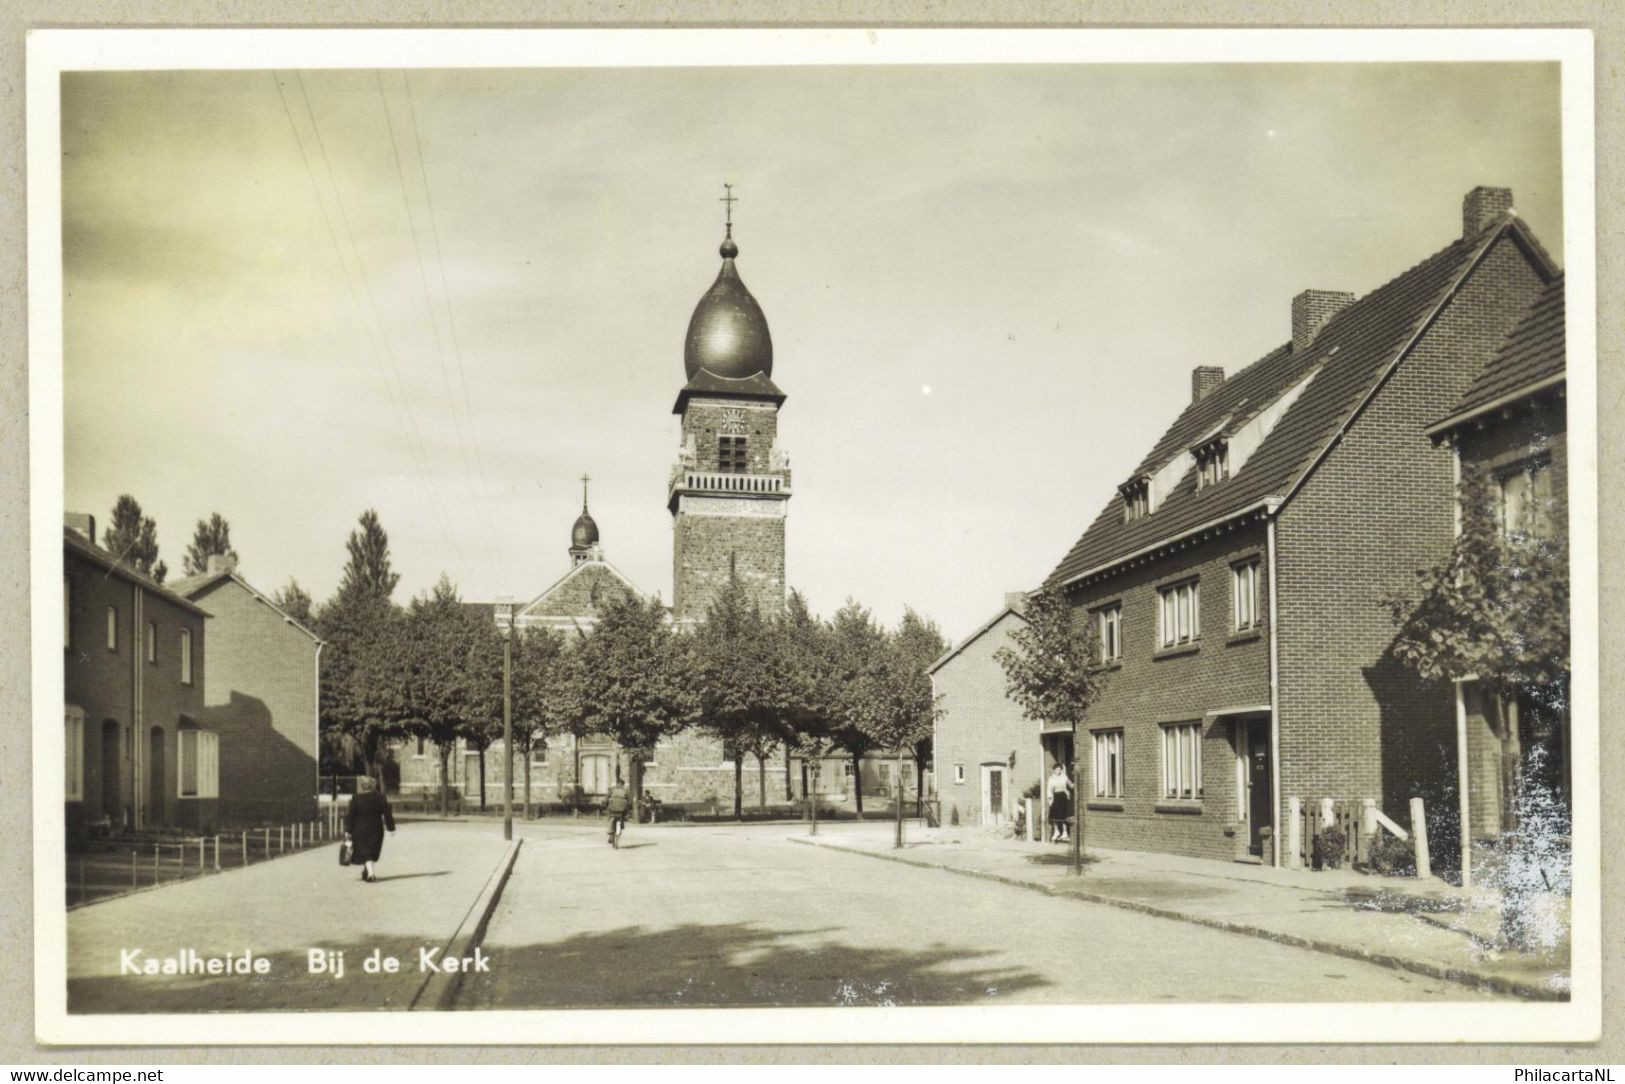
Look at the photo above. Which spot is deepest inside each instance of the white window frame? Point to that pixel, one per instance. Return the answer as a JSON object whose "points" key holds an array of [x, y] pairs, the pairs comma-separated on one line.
{"points": [[1524, 470], [208, 763], [1244, 595], [73, 747], [1109, 629], [1109, 779], [959, 773], [186, 656], [112, 628], [1212, 466], [1182, 761], [1179, 614]]}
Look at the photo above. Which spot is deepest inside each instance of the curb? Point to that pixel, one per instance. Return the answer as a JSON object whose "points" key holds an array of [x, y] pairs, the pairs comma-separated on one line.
{"points": [[439, 988], [1492, 983]]}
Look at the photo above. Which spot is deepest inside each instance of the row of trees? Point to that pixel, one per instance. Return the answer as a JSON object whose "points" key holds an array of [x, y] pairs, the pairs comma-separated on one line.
{"points": [[132, 536], [764, 684]]}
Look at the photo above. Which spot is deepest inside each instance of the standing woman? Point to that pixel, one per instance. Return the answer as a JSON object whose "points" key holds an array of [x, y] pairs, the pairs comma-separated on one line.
{"points": [[364, 825], [1060, 804]]}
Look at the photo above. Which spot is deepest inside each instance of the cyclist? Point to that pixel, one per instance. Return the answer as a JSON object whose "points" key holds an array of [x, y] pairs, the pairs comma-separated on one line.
{"points": [[620, 799]]}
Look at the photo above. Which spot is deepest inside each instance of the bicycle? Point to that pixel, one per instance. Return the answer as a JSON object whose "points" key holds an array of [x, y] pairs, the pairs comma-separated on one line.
{"points": [[617, 825]]}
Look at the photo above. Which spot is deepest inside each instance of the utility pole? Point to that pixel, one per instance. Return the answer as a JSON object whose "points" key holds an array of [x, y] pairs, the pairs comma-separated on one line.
{"points": [[504, 608]]}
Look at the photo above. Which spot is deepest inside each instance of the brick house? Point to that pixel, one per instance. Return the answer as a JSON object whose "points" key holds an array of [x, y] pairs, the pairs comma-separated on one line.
{"points": [[1237, 578], [261, 698], [1512, 422], [139, 754], [985, 751]]}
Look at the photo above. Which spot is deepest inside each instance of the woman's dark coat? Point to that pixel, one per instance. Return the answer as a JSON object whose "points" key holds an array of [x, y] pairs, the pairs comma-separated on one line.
{"points": [[368, 816]]}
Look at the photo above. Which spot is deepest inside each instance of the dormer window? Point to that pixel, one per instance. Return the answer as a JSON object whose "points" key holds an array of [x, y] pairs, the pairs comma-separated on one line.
{"points": [[1136, 498], [1212, 463]]}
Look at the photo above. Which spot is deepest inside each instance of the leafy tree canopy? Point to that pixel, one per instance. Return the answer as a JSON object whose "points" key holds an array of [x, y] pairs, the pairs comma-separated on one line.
{"points": [[133, 538], [210, 538]]}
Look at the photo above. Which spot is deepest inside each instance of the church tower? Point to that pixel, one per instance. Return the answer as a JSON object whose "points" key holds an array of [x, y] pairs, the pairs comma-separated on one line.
{"points": [[584, 534], [731, 486]]}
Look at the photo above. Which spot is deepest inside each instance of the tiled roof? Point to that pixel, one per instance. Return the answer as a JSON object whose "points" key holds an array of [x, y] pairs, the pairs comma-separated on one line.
{"points": [[94, 553], [1348, 357], [191, 585], [1533, 353], [705, 382], [194, 587]]}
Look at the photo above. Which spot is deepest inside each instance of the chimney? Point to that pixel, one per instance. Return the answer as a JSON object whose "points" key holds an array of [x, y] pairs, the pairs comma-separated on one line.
{"points": [[222, 562], [1311, 310], [1205, 380], [81, 523], [1482, 208], [1016, 600]]}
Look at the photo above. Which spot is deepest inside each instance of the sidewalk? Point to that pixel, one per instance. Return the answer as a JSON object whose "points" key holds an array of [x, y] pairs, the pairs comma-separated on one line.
{"points": [[1427, 927], [428, 880]]}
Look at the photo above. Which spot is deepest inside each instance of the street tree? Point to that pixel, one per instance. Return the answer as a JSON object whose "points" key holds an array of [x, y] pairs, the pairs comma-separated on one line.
{"points": [[538, 672], [854, 641], [358, 625], [805, 643], [749, 691], [295, 601], [132, 537], [921, 643], [210, 538], [894, 705], [635, 680], [1054, 673]]}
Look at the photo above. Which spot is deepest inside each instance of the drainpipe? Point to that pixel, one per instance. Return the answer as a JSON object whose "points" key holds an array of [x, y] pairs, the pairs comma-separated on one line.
{"points": [[136, 694], [317, 714], [1465, 829], [1275, 697]]}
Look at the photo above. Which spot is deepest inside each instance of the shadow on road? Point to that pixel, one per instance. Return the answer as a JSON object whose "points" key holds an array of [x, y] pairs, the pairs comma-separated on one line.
{"points": [[733, 964], [409, 876], [1058, 858]]}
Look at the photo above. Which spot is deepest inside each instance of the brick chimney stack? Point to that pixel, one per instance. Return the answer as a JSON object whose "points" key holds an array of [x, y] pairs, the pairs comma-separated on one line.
{"points": [[81, 523], [1482, 208], [222, 562], [1311, 310], [1205, 380]]}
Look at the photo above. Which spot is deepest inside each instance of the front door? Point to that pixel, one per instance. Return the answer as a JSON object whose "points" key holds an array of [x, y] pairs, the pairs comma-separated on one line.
{"points": [[992, 794], [155, 778], [112, 800], [595, 773], [1260, 797]]}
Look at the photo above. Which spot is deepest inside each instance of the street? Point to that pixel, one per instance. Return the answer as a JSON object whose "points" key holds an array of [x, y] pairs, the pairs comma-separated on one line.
{"points": [[744, 916]]}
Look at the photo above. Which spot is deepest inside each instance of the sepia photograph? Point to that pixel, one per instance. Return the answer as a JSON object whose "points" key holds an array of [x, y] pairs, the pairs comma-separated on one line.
{"points": [[573, 534]]}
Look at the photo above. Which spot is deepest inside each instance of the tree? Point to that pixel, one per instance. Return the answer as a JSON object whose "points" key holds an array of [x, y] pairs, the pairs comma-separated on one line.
{"points": [[1053, 672], [133, 537], [806, 643], [211, 537], [854, 640], [538, 672], [361, 632], [634, 679], [295, 601], [368, 573], [921, 643], [1496, 610], [894, 705], [748, 689]]}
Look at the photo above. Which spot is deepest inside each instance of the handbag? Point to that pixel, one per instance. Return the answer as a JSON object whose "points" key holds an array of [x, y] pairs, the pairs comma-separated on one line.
{"points": [[345, 851]]}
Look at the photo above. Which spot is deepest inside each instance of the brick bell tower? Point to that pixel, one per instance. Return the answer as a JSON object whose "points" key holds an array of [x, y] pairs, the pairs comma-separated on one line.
{"points": [[730, 488]]}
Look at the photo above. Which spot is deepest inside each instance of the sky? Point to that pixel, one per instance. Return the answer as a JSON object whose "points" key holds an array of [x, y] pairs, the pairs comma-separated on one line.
{"points": [[290, 297]]}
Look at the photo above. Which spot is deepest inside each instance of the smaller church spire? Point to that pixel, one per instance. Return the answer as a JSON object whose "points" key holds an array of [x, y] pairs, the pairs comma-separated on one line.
{"points": [[728, 250], [584, 534]]}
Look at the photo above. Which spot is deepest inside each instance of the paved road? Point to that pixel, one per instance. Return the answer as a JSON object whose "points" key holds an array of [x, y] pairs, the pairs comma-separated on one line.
{"points": [[743, 916]]}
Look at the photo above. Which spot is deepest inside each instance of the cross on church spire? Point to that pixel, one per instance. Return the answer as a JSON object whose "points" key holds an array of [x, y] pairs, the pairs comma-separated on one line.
{"points": [[585, 478], [729, 199]]}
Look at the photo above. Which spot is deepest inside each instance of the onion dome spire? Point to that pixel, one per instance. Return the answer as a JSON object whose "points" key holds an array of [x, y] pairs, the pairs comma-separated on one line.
{"points": [[584, 533], [727, 335]]}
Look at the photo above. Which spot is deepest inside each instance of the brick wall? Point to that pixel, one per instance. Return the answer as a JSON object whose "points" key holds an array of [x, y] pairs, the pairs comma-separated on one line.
{"points": [[584, 593], [979, 725], [1354, 723], [101, 683], [260, 697], [1224, 670], [706, 547], [703, 420]]}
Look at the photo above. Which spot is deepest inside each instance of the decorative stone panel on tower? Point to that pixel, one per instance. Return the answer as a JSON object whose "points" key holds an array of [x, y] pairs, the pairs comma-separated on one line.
{"points": [[730, 488]]}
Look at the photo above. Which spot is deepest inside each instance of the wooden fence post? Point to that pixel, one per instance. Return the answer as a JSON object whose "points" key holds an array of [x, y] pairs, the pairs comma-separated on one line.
{"points": [[267, 831], [155, 850], [1419, 833], [245, 846], [135, 865]]}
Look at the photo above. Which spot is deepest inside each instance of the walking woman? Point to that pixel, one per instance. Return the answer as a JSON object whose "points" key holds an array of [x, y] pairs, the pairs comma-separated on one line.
{"points": [[1060, 805], [364, 825]]}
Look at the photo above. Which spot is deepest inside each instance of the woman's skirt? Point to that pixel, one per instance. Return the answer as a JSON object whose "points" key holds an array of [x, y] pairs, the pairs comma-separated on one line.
{"points": [[1059, 807]]}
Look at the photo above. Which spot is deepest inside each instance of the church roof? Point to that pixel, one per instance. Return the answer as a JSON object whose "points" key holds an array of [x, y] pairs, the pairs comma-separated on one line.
{"points": [[705, 382], [1348, 359], [581, 592]]}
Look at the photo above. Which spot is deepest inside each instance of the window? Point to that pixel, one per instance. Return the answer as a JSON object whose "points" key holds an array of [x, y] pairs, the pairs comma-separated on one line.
{"points": [[73, 747], [1109, 764], [959, 773], [1179, 618], [152, 642], [731, 455], [1526, 498], [1244, 592], [1109, 627], [112, 628], [1212, 464], [197, 756], [1136, 498], [1182, 761], [186, 656], [538, 753], [418, 751], [67, 612]]}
